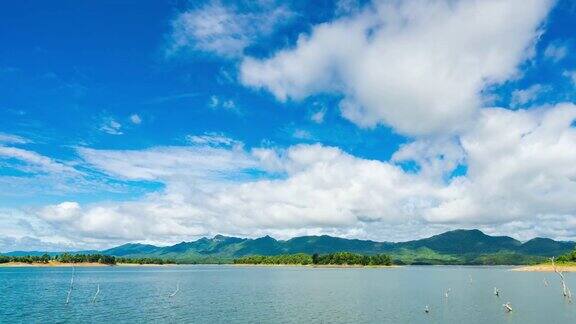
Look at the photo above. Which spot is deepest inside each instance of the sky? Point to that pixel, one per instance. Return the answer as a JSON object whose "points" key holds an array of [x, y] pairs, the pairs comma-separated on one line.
{"points": [[166, 121]]}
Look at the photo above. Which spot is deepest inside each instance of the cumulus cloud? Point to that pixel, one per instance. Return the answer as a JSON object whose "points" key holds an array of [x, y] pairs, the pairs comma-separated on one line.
{"points": [[321, 187], [419, 66], [521, 171], [521, 165], [61, 212], [225, 30], [436, 158]]}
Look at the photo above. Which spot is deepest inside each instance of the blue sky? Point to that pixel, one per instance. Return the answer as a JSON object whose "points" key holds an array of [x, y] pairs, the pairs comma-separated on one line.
{"points": [[156, 114]]}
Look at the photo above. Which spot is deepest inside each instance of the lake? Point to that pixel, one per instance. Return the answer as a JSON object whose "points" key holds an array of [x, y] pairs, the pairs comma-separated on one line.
{"points": [[234, 294]]}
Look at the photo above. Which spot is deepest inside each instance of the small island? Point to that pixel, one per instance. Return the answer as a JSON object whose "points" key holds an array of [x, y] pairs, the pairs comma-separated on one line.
{"points": [[340, 259], [70, 259]]}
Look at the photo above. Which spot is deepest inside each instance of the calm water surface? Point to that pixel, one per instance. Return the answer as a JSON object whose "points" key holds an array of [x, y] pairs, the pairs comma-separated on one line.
{"points": [[231, 294]]}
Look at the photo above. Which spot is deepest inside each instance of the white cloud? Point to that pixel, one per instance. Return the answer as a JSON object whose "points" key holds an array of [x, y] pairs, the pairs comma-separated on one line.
{"points": [[571, 75], [33, 162], [521, 176], [12, 139], [435, 157], [111, 127], [324, 188], [213, 139], [171, 163], [21, 232], [418, 66], [225, 30], [62, 212], [521, 166], [302, 134], [31, 176], [521, 97], [318, 116], [216, 102], [135, 119], [229, 104], [555, 52]]}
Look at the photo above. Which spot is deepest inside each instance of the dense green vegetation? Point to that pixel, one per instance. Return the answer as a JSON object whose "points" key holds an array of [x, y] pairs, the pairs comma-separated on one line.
{"points": [[299, 258], [423, 256], [82, 258], [25, 259], [338, 258], [504, 258], [347, 258], [85, 258], [145, 261], [568, 257]]}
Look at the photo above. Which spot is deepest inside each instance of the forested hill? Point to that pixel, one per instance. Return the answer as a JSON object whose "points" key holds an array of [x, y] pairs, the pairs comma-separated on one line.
{"points": [[453, 247]]}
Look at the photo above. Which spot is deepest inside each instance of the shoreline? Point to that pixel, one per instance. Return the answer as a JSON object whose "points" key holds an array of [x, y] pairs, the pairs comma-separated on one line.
{"points": [[338, 266], [53, 264], [547, 267]]}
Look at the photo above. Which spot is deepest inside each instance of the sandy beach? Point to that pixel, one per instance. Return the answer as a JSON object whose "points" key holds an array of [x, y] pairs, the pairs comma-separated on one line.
{"points": [[547, 268]]}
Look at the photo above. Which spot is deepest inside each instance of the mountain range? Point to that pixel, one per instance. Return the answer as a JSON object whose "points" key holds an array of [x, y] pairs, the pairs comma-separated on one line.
{"points": [[453, 247]]}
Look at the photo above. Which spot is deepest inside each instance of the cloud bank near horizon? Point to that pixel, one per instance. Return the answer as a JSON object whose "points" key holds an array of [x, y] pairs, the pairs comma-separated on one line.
{"points": [[520, 178]]}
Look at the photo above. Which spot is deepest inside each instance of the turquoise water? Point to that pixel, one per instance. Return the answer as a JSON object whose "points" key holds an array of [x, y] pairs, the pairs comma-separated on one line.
{"points": [[231, 294]]}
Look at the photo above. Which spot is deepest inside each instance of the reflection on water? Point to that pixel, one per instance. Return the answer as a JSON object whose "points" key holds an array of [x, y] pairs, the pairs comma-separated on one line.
{"points": [[231, 294]]}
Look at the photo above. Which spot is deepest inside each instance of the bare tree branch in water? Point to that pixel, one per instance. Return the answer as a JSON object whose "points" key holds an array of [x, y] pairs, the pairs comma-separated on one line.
{"points": [[176, 291], [71, 285], [565, 290], [96, 295]]}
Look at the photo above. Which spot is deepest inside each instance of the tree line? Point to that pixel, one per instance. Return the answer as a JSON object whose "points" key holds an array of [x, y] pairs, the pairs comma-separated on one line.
{"points": [[26, 258], [338, 258], [568, 257], [82, 258]]}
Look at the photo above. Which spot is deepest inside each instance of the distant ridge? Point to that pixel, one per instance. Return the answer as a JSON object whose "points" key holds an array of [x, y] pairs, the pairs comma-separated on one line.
{"points": [[452, 247]]}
